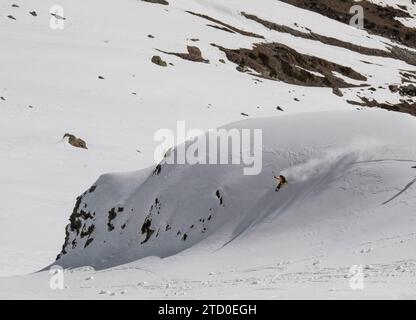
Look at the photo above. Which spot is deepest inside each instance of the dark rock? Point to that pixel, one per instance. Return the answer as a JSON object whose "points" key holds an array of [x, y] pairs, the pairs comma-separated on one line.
{"points": [[146, 230], [158, 170], [89, 241], [164, 2], [337, 92], [194, 54], [75, 142], [111, 216], [158, 60], [276, 61]]}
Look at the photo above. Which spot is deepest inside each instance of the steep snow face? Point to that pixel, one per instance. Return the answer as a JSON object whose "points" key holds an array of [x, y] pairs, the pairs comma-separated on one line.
{"points": [[342, 168]]}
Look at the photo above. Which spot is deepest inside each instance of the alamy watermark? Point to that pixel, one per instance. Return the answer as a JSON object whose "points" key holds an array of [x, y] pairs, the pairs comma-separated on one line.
{"points": [[57, 21], [356, 277], [56, 281], [357, 20], [217, 146]]}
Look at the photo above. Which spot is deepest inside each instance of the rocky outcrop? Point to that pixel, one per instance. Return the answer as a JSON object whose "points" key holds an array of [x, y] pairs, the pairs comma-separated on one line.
{"points": [[403, 106], [394, 53], [276, 61], [378, 20], [405, 90]]}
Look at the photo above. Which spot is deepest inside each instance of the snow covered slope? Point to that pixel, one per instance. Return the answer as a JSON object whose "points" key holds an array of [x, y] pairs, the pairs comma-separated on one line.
{"points": [[95, 79], [337, 165], [350, 201]]}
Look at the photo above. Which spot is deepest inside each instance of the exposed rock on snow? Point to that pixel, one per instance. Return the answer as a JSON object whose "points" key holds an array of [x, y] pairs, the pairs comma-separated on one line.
{"points": [[402, 106], [405, 90], [164, 2], [194, 54], [226, 26], [279, 62], [158, 60], [75, 142], [379, 20]]}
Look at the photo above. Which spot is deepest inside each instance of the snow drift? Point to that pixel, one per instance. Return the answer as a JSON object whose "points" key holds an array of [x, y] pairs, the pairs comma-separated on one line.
{"points": [[340, 166]]}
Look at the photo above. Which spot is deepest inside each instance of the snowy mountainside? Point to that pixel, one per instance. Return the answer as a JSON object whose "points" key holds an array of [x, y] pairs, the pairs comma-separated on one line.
{"points": [[333, 175], [121, 70]]}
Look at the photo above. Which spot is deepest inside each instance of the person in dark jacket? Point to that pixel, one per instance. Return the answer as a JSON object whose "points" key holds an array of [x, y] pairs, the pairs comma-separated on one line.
{"points": [[281, 181]]}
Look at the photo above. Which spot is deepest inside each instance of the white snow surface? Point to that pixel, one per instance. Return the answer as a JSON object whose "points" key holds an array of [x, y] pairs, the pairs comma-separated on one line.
{"points": [[343, 164]]}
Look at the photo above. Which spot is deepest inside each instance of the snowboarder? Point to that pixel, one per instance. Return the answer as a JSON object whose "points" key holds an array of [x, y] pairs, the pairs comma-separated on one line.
{"points": [[281, 181]]}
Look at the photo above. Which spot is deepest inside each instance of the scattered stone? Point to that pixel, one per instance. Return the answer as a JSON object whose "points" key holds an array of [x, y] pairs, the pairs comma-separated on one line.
{"points": [[33, 13], [75, 142], [279, 108], [337, 92], [3, 98], [222, 61], [220, 197], [15, 6], [150, 36], [11, 17], [111, 216], [408, 90], [158, 61], [146, 230], [244, 114], [164, 2], [101, 78], [194, 54], [394, 88], [157, 170], [403, 106], [57, 16]]}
